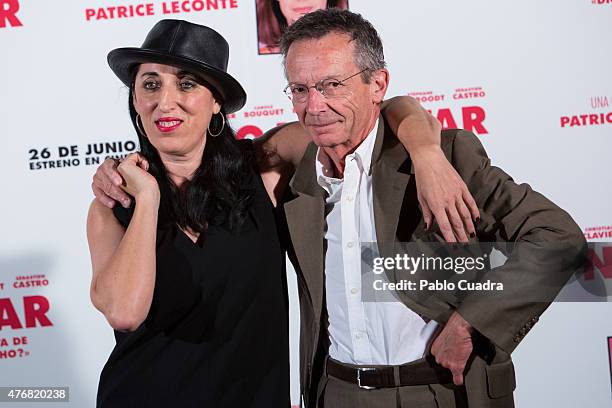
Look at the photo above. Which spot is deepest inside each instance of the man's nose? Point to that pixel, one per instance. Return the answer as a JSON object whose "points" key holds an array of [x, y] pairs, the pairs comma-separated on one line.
{"points": [[316, 102]]}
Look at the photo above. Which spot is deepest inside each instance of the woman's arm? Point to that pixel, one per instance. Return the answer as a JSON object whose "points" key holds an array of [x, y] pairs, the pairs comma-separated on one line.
{"points": [[282, 146], [123, 260], [279, 152], [415, 127], [441, 192]]}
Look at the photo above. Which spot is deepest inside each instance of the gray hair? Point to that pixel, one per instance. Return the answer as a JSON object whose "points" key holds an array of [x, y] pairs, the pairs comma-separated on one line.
{"points": [[369, 52]]}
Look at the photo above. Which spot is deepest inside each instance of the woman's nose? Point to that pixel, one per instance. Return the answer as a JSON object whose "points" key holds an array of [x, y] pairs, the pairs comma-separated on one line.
{"points": [[167, 99]]}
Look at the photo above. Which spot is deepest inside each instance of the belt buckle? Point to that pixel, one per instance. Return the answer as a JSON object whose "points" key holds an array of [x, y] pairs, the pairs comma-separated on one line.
{"points": [[359, 371]]}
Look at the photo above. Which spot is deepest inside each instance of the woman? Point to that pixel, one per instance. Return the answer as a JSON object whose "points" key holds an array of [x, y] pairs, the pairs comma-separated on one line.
{"points": [[195, 324], [273, 16], [191, 276]]}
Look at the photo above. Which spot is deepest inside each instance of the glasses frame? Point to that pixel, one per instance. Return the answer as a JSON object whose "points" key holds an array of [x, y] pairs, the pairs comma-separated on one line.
{"points": [[318, 86]]}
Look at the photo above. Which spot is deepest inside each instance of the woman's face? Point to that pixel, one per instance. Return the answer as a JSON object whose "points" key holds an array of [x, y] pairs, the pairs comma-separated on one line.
{"points": [[175, 109], [294, 9]]}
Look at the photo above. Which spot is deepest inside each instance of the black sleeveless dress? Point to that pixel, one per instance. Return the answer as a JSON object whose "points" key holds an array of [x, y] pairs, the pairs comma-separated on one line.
{"points": [[217, 331]]}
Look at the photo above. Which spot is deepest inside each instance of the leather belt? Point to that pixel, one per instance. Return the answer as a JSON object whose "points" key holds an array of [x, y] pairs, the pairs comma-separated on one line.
{"points": [[421, 372]]}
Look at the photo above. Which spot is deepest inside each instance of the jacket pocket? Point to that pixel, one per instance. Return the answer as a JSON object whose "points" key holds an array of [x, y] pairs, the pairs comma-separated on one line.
{"points": [[500, 379]]}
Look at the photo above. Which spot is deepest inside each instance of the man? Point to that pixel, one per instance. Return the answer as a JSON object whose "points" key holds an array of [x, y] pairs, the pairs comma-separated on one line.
{"points": [[355, 185]]}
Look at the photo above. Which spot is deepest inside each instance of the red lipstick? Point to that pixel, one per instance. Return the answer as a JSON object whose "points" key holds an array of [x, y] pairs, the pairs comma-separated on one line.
{"points": [[168, 124], [302, 10]]}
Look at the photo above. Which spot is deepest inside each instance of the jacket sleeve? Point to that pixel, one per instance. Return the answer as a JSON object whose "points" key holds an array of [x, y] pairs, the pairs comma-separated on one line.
{"points": [[544, 246]]}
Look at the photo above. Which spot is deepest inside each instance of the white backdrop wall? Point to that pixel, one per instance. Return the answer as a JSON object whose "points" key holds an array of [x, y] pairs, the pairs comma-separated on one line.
{"points": [[531, 78]]}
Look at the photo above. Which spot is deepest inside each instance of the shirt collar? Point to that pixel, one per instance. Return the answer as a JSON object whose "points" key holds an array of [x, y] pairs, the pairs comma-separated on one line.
{"points": [[363, 154], [364, 151]]}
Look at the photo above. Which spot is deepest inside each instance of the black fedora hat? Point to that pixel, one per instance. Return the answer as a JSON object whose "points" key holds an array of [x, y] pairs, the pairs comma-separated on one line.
{"points": [[189, 46]]}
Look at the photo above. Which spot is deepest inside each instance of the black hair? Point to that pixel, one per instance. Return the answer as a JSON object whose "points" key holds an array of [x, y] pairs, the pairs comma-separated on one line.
{"points": [[220, 191]]}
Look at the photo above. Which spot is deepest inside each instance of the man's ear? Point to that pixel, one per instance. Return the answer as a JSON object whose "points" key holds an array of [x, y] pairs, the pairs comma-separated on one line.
{"points": [[379, 83]]}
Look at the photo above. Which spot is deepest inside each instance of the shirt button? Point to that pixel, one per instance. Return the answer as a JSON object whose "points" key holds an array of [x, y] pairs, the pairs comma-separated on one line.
{"points": [[349, 198], [358, 336], [354, 291], [350, 244]]}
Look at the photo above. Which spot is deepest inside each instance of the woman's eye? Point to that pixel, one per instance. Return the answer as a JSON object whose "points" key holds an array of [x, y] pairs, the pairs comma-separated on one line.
{"points": [[187, 85], [150, 85]]}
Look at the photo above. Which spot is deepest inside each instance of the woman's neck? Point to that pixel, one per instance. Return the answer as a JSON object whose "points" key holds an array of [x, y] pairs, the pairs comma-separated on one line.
{"points": [[182, 167]]}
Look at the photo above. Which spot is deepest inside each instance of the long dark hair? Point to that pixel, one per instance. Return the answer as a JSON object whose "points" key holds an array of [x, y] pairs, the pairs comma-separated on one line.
{"points": [[220, 191], [271, 23]]}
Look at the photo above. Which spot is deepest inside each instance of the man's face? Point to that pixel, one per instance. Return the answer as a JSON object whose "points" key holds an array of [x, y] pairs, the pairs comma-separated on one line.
{"points": [[344, 120]]}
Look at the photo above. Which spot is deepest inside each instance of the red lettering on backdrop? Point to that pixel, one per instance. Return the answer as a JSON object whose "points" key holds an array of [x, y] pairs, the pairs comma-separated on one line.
{"points": [[35, 309], [11, 319], [8, 12], [473, 119], [187, 6], [113, 12], [248, 130], [445, 116], [564, 120], [473, 116], [587, 119], [605, 266]]}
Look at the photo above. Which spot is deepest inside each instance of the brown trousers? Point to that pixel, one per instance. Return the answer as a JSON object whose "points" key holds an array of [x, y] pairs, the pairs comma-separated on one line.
{"points": [[336, 393]]}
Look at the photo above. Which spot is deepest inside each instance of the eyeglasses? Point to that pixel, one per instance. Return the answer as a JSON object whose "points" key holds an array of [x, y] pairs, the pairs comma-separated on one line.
{"points": [[329, 88]]}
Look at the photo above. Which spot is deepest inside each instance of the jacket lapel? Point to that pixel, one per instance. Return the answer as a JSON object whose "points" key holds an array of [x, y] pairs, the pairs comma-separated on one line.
{"points": [[305, 220], [390, 177], [392, 170]]}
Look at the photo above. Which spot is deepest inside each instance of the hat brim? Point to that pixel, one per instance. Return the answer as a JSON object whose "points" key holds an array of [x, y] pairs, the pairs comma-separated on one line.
{"points": [[123, 60]]}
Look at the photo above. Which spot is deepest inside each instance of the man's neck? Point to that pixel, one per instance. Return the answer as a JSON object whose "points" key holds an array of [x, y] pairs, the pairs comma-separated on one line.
{"points": [[338, 153]]}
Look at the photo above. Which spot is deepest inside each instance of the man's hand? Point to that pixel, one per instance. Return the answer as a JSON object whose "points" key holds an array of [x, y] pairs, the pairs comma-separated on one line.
{"points": [[453, 346], [136, 178], [443, 195], [106, 185]]}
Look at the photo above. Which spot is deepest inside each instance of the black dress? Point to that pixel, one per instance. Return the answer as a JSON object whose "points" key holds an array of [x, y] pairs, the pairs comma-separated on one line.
{"points": [[217, 331]]}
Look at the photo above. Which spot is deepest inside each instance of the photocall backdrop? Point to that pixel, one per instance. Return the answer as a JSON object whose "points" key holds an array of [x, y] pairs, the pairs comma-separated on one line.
{"points": [[530, 78]]}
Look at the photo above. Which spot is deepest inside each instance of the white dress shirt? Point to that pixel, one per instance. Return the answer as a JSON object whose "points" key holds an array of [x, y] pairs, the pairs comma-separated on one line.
{"points": [[363, 333]]}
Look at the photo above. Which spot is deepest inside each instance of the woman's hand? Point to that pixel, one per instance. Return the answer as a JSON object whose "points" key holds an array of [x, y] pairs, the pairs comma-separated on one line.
{"points": [[444, 196], [442, 193], [137, 182]]}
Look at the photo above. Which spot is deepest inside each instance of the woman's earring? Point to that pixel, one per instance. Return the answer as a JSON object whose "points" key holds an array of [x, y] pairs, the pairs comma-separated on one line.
{"points": [[222, 125], [139, 126]]}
